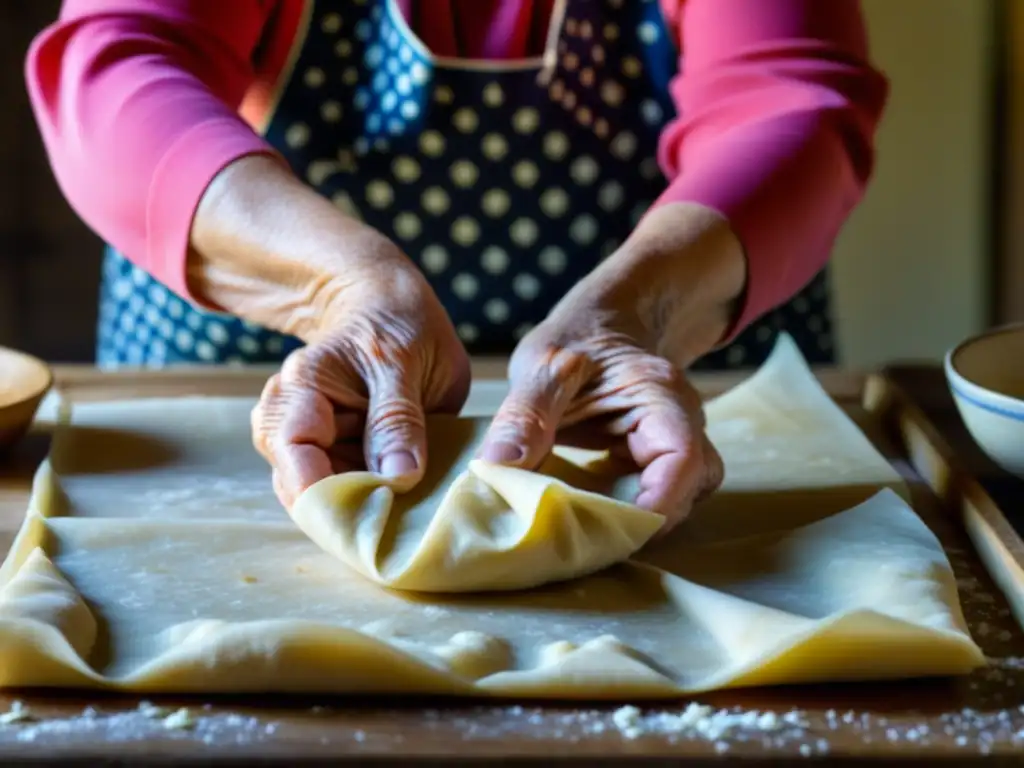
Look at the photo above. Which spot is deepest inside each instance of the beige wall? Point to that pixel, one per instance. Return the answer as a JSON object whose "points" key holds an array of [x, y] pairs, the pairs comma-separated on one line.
{"points": [[910, 271]]}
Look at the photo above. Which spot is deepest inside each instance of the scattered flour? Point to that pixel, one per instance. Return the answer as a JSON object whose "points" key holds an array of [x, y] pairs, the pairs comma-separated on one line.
{"points": [[794, 732], [18, 713], [180, 720], [703, 721], [152, 711], [719, 726], [141, 724]]}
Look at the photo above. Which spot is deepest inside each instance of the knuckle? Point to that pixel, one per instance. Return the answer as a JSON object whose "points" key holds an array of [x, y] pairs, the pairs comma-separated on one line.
{"points": [[520, 416], [632, 369], [661, 372], [297, 367], [544, 384], [714, 469], [265, 418], [326, 367], [656, 380], [394, 420]]}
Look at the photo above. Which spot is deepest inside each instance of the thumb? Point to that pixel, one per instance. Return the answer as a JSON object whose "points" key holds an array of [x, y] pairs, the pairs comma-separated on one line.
{"points": [[523, 431], [396, 435]]}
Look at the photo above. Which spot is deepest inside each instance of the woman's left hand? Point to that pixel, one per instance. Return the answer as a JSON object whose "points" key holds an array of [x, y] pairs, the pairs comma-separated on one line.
{"points": [[606, 368]]}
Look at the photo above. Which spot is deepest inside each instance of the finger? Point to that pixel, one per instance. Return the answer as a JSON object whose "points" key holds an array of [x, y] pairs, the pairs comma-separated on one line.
{"points": [[667, 445], [664, 431], [523, 431], [293, 426], [714, 470], [396, 432]]}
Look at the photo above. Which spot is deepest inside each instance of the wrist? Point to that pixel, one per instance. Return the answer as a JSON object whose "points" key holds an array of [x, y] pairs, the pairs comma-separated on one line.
{"points": [[682, 275], [269, 249]]}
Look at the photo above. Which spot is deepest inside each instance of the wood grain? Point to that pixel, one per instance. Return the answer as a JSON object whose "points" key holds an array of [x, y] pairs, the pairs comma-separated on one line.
{"points": [[972, 719]]}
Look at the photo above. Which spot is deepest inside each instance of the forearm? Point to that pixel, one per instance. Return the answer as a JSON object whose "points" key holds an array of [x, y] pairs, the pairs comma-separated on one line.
{"points": [[681, 276], [136, 105], [267, 248], [778, 106]]}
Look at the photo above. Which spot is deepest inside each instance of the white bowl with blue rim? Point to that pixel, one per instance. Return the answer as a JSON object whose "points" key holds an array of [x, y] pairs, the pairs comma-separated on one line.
{"points": [[986, 377]]}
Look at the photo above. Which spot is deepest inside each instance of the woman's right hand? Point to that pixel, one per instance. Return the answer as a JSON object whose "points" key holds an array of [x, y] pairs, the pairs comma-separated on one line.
{"points": [[356, 396], [380, 349]]}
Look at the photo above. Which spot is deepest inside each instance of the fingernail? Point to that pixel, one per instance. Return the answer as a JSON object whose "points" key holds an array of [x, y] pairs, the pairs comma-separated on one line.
{"points": [[397, 464], [503, 453]]}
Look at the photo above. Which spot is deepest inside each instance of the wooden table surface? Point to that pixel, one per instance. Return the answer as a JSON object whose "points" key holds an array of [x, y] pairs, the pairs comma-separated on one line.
{"points": [[979, 718]]}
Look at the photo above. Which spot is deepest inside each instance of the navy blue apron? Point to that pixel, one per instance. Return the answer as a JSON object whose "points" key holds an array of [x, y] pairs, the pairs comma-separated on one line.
{"points": [[505, 182]]}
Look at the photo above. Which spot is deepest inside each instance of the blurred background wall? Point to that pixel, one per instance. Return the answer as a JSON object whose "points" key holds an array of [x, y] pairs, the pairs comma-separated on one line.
{"points": [[913, 271], [913, 268], [49, 261]]}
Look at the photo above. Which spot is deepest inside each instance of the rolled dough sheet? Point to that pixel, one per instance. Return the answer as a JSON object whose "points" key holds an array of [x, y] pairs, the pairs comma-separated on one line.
{"points": [[469, 527], [154, 558], [791, 454]]}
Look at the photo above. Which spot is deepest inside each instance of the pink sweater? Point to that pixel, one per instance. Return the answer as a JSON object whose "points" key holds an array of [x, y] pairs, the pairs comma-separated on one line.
{"points": [[141, 103]]}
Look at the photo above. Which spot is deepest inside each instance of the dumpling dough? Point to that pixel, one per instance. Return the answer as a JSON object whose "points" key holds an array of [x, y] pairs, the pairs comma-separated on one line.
{"points": [[228, 606], [470, 526], [154, 557]]}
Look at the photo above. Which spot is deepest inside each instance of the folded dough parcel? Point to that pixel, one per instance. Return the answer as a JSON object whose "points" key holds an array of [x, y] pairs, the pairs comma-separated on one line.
{"points": [[155, 558]]}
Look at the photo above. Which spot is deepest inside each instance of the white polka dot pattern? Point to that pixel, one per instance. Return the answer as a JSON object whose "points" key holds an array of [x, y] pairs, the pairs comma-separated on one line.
{"points": [[496, 203], [434, 259], [494, 260], [505, 185], [141, 324]]}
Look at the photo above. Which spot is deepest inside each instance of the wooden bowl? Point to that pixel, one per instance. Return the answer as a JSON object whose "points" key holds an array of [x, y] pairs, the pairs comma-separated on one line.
{"points": [[24, 381]]}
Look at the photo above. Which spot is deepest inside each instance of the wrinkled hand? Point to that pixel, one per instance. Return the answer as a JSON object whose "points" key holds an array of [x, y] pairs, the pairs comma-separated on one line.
{"points": [[380, 350], [591, 386], [355, 397], [605, 369]]}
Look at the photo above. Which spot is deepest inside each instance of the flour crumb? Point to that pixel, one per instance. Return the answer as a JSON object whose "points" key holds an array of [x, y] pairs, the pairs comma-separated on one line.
{"points": [[795, 718], [18, 713], [627, 720], [152, 711], [179, 721], [702, 721]]}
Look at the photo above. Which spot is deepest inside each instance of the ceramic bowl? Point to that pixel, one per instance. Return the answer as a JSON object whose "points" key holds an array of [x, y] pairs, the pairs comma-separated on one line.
{"points": [[986, 376], [24, 381]]}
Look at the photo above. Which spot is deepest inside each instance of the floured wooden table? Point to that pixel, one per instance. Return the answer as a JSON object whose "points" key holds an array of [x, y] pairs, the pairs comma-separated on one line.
{"points": [[968, 717]]}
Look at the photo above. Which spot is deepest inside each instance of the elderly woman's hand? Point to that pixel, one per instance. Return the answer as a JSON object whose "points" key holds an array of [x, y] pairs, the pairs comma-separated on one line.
{"points": [[606, 369], [383, 355], [380, 350]]}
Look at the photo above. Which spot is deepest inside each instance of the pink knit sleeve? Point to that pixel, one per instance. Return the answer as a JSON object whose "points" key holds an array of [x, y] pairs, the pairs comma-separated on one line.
{"points": [[136, 102], [778, 110]]}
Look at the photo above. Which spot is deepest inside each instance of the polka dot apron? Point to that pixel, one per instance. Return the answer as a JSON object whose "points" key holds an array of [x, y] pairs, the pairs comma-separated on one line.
{"points": [[505, 182]]}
